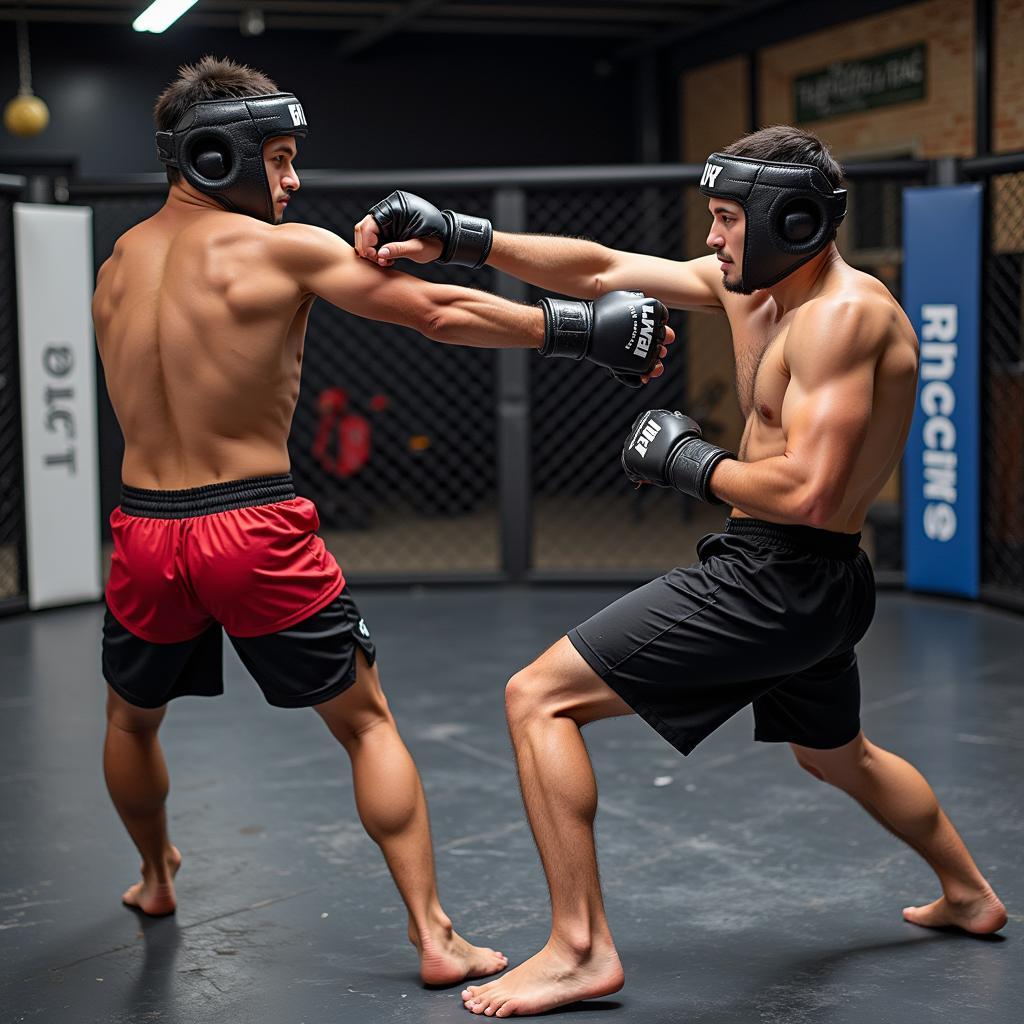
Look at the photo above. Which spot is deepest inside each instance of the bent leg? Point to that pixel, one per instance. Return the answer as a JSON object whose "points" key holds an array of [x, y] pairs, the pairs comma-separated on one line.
{"points": [[393, 810], [136, 775], [547, 704], [897, 796]]}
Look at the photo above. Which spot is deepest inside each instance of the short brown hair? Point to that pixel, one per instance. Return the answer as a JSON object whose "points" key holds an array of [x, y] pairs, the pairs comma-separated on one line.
{"points": [[210, 78], [787, 144]]}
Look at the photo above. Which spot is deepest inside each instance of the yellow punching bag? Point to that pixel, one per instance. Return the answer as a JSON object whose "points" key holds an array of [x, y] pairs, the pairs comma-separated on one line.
{"points": [[26, 115]]}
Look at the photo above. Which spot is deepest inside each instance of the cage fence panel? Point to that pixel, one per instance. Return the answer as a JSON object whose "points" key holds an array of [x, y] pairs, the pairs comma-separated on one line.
{"points": [[586, 514], [13, 583], [1002, 540], [394, 436]]}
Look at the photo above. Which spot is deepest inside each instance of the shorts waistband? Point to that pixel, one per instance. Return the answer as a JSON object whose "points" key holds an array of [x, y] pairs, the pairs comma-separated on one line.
{"points": [[827, 543], [204, 501]]}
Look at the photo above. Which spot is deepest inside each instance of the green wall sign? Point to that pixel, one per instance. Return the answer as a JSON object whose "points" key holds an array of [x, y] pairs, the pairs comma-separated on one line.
{"points": [[852, 85]]}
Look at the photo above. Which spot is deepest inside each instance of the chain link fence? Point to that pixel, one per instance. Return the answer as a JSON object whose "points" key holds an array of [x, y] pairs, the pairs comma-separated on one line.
{"points": [[12, 499], [438, 462], [1002, 540], [401, 443], [587, 517]]}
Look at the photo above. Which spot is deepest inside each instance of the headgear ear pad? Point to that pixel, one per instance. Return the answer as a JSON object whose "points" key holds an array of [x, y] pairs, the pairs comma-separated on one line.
{"points": [[211, 160], [799, 225]]}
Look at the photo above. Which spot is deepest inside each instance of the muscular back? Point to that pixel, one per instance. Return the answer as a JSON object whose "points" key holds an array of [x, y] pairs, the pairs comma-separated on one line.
{"points": [[200, 335]]}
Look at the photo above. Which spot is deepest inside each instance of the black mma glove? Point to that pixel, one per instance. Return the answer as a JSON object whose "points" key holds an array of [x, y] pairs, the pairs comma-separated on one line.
{"points": [[466, 240], [667, 449], [622, 331]]}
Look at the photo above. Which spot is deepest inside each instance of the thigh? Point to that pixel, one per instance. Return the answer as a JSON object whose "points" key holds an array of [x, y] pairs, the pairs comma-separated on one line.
{"points": [[357, 708], [311, 661], [561, 682]]}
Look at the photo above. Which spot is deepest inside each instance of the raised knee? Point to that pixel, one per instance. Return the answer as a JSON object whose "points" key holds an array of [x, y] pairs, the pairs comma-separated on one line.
{"points": [[524, 694]]}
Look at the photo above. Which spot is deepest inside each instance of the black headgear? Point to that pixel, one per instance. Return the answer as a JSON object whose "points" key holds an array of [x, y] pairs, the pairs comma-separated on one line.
{"points": [[792, 212], [218, 147]]}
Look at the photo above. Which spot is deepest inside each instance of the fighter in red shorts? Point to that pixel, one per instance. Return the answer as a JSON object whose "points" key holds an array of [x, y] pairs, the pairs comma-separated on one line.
{"points": [[200, 318]]}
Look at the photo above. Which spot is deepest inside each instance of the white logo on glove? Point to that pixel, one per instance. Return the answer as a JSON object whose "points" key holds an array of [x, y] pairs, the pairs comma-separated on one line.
{"points": [[643, 344], [648, 432], [711, 173]]}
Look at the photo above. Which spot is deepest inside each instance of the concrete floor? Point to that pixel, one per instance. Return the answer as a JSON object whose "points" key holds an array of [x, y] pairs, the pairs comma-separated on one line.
{"points": [[739, 890]]}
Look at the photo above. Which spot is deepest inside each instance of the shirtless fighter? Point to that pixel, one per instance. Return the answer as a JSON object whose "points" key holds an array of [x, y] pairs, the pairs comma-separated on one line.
{"points": [[200, 318], [826, 369]]}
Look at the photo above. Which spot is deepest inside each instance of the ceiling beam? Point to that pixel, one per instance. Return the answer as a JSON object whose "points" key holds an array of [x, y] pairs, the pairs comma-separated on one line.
{"points": [[391, 24], [660, 40]]}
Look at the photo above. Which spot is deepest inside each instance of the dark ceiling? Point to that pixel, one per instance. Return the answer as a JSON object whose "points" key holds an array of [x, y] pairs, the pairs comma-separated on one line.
{"points": [[636, 25]]}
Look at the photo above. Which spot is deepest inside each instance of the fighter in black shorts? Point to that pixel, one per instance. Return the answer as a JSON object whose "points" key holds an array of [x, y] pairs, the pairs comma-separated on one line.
{"points": [[769, 616], [201, 316]]}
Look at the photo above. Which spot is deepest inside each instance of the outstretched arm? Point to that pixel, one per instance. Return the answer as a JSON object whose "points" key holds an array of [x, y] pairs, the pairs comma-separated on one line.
{"points": [[576, 266], [406, 226], [832, 353], [322, 264], [625, 333]]}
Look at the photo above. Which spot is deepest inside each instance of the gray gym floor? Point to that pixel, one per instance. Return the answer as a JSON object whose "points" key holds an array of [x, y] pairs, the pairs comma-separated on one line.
{"points": [[739, 888]]}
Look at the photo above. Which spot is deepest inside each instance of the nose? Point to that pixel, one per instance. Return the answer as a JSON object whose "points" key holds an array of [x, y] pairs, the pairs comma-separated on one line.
{"points": [[715, 239], [290, 182]]}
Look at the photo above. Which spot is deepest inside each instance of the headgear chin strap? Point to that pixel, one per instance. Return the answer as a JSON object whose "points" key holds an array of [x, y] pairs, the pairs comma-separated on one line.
{"points": [[792, 212], [218, 147]]}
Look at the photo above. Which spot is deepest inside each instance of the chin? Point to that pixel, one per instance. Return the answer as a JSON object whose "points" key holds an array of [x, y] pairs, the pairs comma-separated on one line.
{"points": [[737, 287]]}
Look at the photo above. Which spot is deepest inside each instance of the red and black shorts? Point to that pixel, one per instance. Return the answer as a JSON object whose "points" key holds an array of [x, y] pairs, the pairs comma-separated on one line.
{"points": [[242, 558]]}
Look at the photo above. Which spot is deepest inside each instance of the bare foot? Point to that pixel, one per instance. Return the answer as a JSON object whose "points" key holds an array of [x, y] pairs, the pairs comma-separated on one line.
{"points": [[153, 897], [550, 978], [980, 914], [446, 958]]}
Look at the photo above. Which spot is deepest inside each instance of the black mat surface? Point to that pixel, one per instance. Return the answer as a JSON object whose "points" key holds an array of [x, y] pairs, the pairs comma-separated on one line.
{"points": [[739, 889]]}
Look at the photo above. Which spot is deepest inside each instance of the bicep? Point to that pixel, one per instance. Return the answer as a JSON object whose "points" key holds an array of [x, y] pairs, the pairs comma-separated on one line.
{"points": [[679, 284], [831, 412], [340, 277]]}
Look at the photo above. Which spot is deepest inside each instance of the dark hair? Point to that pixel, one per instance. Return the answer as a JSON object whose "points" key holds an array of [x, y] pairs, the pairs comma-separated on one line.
{"points": [[210, 78], [791, 145]]}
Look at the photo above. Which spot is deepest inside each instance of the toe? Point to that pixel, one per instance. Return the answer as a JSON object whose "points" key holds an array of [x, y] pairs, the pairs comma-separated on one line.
{"points": [[508, 1008]]}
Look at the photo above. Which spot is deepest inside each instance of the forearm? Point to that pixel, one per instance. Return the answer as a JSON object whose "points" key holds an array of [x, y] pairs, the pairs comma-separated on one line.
{"points": [[773, 488], [465, 316], [571, 266]]}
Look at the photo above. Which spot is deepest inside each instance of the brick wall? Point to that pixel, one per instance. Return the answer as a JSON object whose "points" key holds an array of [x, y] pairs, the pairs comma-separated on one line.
{"points": [[1008, 76], [939, 125]]}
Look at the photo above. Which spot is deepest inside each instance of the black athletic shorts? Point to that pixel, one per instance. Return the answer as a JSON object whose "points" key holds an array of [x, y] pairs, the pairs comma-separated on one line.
{"points": [[768, 617], [306, 664]]}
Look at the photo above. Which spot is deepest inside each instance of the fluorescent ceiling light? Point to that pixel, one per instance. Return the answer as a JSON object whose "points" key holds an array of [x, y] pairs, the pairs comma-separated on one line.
{"points": [[160, 14]]}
